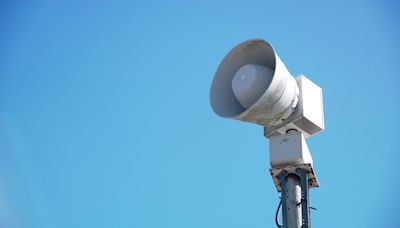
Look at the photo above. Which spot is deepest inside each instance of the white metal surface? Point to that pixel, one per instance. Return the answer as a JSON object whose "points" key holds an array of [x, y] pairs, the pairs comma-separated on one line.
{"points": [[289, 149], [250, 82], [308, 116], [276, 103]]}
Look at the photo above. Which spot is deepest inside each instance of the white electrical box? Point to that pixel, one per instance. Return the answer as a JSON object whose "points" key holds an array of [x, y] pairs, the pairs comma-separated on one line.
{"points": [[288, 150], [308, 116], [289, 153]]}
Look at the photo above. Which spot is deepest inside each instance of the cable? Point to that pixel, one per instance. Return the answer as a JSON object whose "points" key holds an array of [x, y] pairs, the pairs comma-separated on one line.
{"points": [[277, 212], [276, 215]]}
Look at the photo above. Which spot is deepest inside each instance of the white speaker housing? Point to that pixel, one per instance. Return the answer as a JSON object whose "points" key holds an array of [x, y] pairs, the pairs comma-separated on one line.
{"points": [[278, 101], [287, 103]]}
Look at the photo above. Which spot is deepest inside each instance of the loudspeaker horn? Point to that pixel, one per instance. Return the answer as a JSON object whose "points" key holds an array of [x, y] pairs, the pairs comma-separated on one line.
{"points": [[252, 84]]}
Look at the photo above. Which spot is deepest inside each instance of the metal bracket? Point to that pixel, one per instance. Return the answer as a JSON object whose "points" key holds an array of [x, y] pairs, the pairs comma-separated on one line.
{"points": [[312, 178], [305, 201]]}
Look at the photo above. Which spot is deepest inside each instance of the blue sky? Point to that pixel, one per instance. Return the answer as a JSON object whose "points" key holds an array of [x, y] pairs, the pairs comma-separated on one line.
{"points": [[105, 118]]}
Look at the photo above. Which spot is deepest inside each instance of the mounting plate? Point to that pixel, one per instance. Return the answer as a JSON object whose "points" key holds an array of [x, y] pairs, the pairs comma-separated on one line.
{"points": [[312, 178]]}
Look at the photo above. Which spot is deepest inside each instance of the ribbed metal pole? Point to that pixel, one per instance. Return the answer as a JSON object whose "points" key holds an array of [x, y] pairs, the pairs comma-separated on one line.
{"points": [[291, 198]]}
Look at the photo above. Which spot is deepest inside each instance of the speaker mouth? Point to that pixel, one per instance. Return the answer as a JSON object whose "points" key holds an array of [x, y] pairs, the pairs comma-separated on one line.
{"points": [[254, 51]]}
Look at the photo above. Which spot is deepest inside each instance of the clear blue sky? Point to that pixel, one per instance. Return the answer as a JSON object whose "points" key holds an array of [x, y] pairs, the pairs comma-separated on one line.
{"points": [[105, 118]]}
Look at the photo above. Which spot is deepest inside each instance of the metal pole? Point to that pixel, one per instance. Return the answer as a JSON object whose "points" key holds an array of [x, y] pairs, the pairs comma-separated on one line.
{"points": [[305, 201], [291, 201]]}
